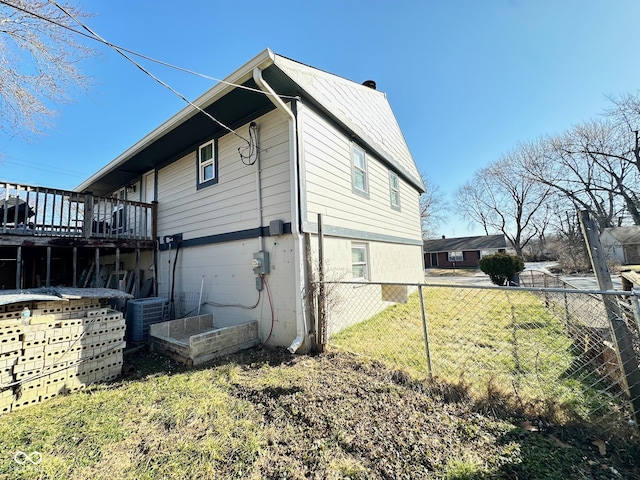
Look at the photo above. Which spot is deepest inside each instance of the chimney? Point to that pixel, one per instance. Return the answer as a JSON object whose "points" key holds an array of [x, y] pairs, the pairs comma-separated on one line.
{"points": [[370, 83], [443, 237]]}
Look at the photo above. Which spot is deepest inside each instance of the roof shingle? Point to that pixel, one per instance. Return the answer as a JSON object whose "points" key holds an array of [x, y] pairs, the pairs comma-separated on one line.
{"points": [[465, 244]]}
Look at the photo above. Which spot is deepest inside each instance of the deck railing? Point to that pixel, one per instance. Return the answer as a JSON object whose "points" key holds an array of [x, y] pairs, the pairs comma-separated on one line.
{"points": [[41, 211]]}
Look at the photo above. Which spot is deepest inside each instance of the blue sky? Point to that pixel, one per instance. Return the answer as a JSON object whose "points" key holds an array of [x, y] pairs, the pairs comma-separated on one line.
{"points": [[467, 80]]}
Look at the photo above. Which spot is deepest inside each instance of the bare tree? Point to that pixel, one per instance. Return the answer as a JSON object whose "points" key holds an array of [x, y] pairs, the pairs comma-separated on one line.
{"points": [[596, 164], [470, 200], [432, 207], [564, 241], [39, 63], [501, 198], [587, 166], [609, 149], [539, 186]]}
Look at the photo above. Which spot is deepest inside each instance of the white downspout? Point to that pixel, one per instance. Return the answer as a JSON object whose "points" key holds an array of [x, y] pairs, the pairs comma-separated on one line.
{"points": [[295, 220]]}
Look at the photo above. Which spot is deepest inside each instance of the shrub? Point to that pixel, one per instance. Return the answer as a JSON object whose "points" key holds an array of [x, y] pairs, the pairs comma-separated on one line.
{"points": [[502, 267]]}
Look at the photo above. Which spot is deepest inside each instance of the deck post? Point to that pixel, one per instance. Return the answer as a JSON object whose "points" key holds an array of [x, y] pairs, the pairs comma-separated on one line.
{"points": [[154, 220], [48, 277], [97, 269], [74, 282], [87, 225], [18, 268], [117, 269], [154, 237], [136, 280]]}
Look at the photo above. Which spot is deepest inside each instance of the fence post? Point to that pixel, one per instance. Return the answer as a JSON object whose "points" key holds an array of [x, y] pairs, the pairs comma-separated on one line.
{"points": [[567, 317], [426, 334], [619, 330], [546, 294], [311, 294], [322, 318], [636, 310]]}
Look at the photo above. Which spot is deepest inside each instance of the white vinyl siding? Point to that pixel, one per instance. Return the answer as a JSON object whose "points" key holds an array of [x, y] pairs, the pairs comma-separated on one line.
{"points": [[328, 189], [232, 204], [387, 262]]}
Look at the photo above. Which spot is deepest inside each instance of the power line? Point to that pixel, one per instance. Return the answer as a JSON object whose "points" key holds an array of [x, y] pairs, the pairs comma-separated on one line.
{"points": [[145, 71], [141, 55], [24, 163]]}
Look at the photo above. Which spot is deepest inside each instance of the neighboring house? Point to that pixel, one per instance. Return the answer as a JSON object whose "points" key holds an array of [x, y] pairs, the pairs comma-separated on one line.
{"points": [[622, 244], [463, 252], [238, 197]]}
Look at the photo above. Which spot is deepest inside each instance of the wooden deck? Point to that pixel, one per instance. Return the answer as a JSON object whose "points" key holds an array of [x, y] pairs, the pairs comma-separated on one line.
{"points": [[57, 237], [38, 212]]}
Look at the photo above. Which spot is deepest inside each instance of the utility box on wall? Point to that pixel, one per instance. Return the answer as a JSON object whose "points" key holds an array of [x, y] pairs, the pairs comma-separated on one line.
{"points": [[260, 263]]}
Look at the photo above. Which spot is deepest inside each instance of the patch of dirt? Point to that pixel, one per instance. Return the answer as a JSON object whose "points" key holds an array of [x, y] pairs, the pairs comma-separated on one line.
{"points": [[337, 415]]}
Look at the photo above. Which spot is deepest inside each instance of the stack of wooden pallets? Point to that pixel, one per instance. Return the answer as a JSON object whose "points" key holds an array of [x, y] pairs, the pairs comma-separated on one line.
{"points": [[62, 346]]}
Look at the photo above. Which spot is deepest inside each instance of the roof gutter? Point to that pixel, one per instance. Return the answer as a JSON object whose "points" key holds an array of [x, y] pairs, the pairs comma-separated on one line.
{"points": [[241, 75], [295, 205]]}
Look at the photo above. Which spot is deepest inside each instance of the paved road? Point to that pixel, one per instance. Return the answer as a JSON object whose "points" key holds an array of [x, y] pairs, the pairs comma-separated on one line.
{"points": [[589, 282], [582, 282]]}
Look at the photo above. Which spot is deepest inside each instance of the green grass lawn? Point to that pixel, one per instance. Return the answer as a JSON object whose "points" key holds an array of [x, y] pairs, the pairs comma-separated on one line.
{"points": [[489, 340], [189, 421], [272, 415]]}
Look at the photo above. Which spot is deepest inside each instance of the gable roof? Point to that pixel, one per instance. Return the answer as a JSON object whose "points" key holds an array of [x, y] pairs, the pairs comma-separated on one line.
{"points": [[625, 235], [365, 113], [363, 110], [465, 244]]}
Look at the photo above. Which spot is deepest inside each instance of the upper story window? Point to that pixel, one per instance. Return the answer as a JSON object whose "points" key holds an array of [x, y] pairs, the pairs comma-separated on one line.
{"points": [[359, 165], [207, 164], [394, 190], [359, 264]]}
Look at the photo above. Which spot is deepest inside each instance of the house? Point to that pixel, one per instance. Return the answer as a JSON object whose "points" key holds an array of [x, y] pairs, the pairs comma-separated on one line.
{"points": [[622, 244], [238, 185], [462, 252]]}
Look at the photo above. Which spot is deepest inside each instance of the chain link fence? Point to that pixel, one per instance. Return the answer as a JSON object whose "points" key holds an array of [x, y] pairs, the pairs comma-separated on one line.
{"points": [[548, 351]]}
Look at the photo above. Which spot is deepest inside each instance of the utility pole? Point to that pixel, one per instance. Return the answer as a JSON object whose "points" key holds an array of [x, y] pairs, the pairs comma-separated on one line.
{"points": [[619, 330]]}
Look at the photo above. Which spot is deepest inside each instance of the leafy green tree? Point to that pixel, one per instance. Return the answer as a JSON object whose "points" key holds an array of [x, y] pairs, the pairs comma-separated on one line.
{"points": [[501, 267]]}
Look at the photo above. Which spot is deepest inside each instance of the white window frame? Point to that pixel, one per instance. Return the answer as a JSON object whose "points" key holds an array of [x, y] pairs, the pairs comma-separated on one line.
{"points": [[454, 257], [359, 170], [209, 162], [364, 263], [394, 190]]}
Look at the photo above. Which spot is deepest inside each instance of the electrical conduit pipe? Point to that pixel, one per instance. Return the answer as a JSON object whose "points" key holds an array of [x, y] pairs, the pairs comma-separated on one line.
{"points": [[295, 214]]}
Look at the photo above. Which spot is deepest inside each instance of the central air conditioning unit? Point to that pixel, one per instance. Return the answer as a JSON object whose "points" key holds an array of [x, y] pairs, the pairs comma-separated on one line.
{"points": [[143, 312]]}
